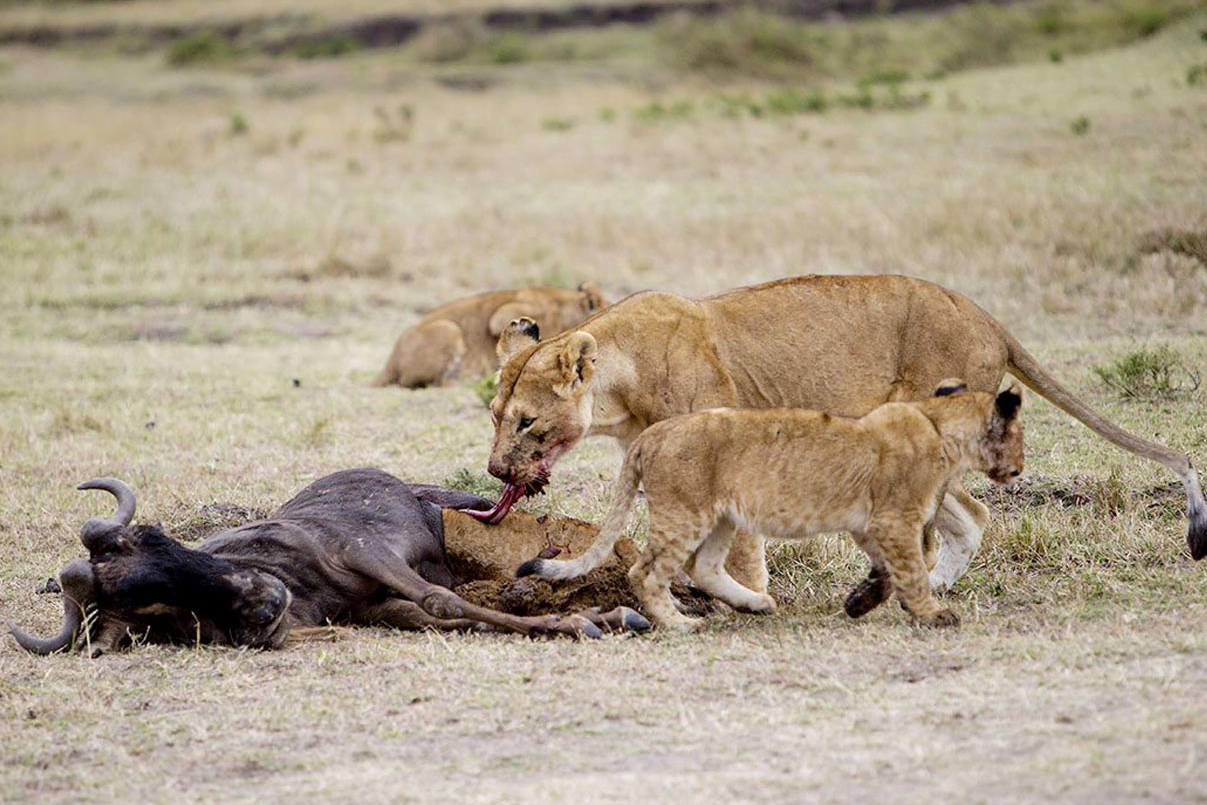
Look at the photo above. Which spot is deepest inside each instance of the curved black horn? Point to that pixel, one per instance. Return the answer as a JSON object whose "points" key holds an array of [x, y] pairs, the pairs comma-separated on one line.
{"points": [[123, 493], [77, 583]]}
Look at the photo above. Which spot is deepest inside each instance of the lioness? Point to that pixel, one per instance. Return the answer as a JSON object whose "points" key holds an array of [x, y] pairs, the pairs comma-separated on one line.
{"points": [[829, 343], [458, 339], [792, 473]]}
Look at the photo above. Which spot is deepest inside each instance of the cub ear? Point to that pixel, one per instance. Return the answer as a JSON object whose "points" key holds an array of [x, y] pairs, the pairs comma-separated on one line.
{"points": [[576, 361], [593, 298], [952, 385], [1008, 402], [519, 333]]}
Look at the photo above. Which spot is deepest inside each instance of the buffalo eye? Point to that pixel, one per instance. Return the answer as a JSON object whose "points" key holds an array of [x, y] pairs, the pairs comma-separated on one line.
{"points": [[524, 424]]}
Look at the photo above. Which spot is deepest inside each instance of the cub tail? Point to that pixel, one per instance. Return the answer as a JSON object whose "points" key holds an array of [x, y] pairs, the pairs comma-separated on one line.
{"points": [[613, 529]]}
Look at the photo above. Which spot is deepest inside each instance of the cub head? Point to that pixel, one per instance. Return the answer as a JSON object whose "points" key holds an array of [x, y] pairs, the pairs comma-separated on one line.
{"points": [[543, 405], [1001, 446], [986, 429]]}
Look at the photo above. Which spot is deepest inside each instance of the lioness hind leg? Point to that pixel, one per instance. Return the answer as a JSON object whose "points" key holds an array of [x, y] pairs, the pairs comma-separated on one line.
{"points": [[747, 561], [429, 355], [709, 573], [665, 555], [901, 544]]}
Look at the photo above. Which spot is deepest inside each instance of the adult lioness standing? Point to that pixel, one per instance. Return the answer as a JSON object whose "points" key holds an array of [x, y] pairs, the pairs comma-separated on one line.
{"points": [[841, 344]]}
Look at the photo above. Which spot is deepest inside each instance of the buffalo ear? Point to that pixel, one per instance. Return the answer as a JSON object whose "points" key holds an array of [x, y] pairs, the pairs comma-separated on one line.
{"points": [[952, 385], [518, 334], [593, 298], [576, 360], [1008, 402]]}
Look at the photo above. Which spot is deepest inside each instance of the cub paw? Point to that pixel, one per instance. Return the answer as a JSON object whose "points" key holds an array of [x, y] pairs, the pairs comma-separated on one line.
{"points": [[943, 619], [867, 595]]}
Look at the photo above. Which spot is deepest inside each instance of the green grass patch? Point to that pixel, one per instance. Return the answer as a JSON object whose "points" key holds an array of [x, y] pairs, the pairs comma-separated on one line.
{"points": [[200, 48], [1149, 374]]}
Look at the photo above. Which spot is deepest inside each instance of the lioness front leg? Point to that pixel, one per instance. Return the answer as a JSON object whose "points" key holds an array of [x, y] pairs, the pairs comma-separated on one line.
{"points": [[900, 540], [709, 573]]}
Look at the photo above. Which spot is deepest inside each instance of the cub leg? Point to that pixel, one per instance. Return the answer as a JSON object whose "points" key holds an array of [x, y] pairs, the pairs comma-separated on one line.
{"points": [[876, 588], [901, 542], [709, 573], [747, 561], [961, 519], [667, 551]]}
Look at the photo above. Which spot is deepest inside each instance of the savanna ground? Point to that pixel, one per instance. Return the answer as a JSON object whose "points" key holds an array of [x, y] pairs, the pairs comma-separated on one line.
{"points": [[207, 253]]}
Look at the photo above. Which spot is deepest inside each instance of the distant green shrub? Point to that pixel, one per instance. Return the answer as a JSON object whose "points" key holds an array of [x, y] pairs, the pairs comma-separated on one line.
{"points": [[1148, 374], [326, 47], [200, 47], [747, 42], [238, 125], [657, 111], [557, 123], [1080, 125], [508, 48]]}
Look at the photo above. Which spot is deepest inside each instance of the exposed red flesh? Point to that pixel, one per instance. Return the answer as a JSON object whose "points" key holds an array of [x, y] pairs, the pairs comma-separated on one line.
{"points": [[511, 495], [495, 514]]}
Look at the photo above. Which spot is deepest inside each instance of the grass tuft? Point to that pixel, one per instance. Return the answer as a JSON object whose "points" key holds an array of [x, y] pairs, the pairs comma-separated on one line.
{"points": [[1149, 374], [478, 483], [200, 48]]}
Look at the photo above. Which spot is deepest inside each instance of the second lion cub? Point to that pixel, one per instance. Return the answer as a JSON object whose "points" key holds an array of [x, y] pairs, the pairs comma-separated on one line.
{"points": [[791, 473]]}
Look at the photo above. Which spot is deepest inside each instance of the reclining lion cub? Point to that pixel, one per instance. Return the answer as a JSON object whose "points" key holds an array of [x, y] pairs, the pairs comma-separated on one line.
{"points": [[828, 343], [457, 340], [792, 473]]}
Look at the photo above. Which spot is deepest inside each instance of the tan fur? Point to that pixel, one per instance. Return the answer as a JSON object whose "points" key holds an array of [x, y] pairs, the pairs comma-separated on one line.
{"points": [[479, 551], [457, 340], [832, 343], [790, 473]]}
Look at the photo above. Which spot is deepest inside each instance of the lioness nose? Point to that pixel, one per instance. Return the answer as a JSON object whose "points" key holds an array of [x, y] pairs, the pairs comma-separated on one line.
{"points": [[499, 470]]}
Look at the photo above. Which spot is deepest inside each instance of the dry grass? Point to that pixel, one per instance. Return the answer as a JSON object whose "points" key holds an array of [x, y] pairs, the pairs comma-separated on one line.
{"points": [[168, 279]]}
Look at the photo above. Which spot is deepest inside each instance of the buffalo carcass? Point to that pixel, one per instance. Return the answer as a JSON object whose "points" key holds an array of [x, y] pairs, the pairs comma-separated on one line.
{"points": [[355, 547]]}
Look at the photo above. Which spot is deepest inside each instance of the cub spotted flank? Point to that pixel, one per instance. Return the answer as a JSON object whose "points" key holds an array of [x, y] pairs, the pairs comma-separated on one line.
{"points": [[791, 473]]}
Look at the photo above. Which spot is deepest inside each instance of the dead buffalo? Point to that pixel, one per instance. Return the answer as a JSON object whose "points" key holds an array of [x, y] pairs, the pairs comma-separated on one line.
{"points": [[355, 547]]}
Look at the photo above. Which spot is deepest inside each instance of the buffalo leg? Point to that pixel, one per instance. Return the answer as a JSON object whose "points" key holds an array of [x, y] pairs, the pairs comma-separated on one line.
{"points": [[620, 619], [444, 604], [398, 613]]}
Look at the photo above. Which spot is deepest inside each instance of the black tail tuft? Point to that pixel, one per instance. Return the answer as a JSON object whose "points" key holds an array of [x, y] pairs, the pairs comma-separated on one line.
{"points": [[533, 568], [1197, 534]]}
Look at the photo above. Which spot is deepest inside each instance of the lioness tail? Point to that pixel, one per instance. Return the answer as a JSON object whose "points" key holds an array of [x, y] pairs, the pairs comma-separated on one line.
{"points": [[613, 528], [1024, 366]]}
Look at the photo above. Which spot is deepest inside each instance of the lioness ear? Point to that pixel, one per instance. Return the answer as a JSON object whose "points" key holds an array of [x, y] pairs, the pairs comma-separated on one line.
{"points": [[577, 361], [520, 333], [592, 297], [952, 385], [1008, 402]]}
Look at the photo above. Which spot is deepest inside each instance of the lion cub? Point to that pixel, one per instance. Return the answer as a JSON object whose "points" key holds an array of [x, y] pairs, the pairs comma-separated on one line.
{"points": [[791, 473]]}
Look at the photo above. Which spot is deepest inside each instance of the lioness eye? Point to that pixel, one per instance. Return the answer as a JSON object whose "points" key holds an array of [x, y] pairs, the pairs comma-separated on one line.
{"points": [[524, 424]]}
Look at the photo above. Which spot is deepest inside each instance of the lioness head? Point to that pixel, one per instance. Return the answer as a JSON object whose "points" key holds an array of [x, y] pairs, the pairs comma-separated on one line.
{"points": [[998, 430], [543, 406]]}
